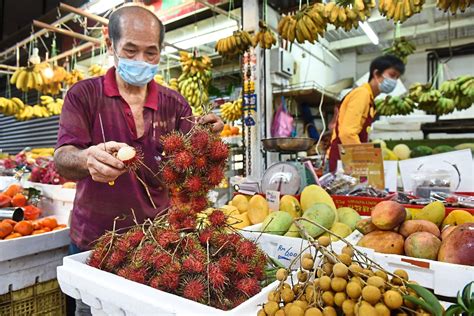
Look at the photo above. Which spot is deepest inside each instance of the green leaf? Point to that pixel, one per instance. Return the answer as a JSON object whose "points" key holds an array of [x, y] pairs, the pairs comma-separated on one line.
{"points": [[429, 298], [468, 297], [453, 310], [419, 302]]}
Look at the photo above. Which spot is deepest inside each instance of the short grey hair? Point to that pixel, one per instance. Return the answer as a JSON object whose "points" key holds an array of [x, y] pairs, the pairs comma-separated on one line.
{"points": [[115, 32]]}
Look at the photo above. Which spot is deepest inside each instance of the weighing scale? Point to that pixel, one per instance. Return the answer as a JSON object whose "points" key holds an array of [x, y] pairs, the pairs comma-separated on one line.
{"points": [[289, 177]]}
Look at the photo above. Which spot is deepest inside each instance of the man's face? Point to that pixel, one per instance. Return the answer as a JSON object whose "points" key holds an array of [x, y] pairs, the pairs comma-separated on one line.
{"points": [[389, 73], [139, 40]]}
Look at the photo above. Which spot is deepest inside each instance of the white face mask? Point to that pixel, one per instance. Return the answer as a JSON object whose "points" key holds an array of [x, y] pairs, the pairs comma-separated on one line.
{"points": [[387, 85]]}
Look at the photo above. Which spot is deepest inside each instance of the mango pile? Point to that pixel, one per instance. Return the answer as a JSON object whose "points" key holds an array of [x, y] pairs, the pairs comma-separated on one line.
{"points": [[420, 233]]}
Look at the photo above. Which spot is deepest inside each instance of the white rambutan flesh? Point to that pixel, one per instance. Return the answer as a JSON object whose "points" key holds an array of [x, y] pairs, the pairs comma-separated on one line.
{"points": [[126, 154]]}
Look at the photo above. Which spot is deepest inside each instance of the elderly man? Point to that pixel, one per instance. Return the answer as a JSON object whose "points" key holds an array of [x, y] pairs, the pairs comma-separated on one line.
{"points": [[124, 107]]}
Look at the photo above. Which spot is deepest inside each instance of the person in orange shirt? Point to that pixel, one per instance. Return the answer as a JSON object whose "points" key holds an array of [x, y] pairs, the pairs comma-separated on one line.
{"points": [[357, 109]]}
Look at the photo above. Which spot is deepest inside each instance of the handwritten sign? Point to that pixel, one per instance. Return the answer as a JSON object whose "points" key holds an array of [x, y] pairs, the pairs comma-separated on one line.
{"points": [[273, 199]]}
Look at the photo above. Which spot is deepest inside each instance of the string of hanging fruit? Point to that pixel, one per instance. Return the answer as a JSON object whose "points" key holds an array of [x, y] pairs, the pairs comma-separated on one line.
{"points": [[401, 48], [193, 83]]}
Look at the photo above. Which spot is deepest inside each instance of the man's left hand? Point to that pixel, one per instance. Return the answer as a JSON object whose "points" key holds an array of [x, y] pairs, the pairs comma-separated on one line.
{"points": [[215, 121]]}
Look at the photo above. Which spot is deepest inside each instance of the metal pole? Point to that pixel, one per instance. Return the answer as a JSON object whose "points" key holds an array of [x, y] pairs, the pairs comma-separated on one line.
{"points": [[71, 52], [91, 16], [66, 32]]}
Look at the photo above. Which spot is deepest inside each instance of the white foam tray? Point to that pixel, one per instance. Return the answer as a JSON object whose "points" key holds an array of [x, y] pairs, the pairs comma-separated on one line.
{"points": [[416, 135], [387, 126], [110, 294], [6, 181], [286, 249], [443, 278], [16, 274], [418, 118], [30, 245]]}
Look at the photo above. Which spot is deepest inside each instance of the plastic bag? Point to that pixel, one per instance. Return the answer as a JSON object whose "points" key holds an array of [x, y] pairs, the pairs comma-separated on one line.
{"points": [[282, 125]]}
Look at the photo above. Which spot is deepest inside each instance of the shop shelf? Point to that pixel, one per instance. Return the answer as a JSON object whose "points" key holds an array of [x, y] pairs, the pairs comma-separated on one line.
{"points": [[43, 298], [111, 294]]}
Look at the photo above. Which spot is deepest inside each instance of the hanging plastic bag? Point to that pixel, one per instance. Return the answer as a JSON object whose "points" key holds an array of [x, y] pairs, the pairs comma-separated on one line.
{"points": [[282, 125]]}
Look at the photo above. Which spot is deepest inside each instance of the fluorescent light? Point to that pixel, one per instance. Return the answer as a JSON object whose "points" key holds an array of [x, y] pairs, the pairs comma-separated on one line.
{"points": [[369, 32], [100, 6]]}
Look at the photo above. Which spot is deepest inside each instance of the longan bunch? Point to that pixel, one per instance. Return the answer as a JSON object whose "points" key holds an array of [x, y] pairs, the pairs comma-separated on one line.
{"points": [[330, 284]]}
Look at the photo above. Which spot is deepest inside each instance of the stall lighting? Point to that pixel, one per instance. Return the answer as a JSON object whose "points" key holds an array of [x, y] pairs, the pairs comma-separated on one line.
{"points": [[100, 6], [201, 39], [369, 32], [48, 73]]}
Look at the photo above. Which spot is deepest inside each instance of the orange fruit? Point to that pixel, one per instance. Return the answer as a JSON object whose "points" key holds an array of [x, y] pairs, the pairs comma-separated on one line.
{"points": [[5, 200], [36, 225], [31, 212], [10, 221], [13, 189], [5, 229], [235, 130], [46, 229], [13, 235], [60, 226], [18, 200], [38, 231], [226, 127], [49, 222], [24, 228]]}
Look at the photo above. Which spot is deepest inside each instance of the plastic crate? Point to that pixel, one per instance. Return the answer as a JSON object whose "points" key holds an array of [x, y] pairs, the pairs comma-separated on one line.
{"points": [[43, 298]]}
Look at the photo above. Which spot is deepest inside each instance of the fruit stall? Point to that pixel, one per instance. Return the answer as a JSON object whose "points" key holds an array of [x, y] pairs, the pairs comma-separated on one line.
{"points": [[252, 216]]}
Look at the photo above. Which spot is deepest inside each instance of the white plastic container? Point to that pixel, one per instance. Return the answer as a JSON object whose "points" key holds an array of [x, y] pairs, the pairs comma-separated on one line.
{"points": [[28, 259], [6, 181], [110, 294]]}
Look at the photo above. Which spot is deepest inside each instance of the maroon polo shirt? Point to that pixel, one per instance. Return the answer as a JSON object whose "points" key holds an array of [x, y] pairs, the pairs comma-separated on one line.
{"points": [[97, 204]]}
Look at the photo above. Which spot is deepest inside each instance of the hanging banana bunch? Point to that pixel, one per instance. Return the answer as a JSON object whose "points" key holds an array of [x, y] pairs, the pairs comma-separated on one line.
{"points": [[11, 106], [32, 112], [394, 105], [96, 70], [231, 111], [54, 106], [305, 25], [29, 78], [460, 90], [73, 77], [193, 83], [172, 84], [234, 45], [401, 48], [400, 10], [453, 5], [265, 37]]}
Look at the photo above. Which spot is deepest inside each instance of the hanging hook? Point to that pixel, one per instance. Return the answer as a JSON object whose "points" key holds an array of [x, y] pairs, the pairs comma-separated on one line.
{"points": [[59, 15]]}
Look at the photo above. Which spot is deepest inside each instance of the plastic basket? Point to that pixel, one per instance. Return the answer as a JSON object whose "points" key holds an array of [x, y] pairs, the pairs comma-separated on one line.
{"points": [[43, 298]]}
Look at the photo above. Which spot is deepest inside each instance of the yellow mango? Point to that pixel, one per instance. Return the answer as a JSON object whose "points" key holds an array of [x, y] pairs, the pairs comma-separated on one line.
{"points": [[229, 210], [257, 209], [241, 202], [313, 194], [433, 212], [239, 220], [458, 217], [290, 204]]}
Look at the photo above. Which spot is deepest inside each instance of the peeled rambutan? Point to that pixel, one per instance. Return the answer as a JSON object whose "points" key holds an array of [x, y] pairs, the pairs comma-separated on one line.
{"points": [[193, 184], [182, 161], [217, 218], [199, 203], [242, 268], [192, 265], [217, 278], [215, 175], [167, 237], [200, 141], [169, 175], [226, 263], [246, 249], [218, 151], [200, 162], [249, 286], [172, 143], [161, 260], [194, 290]]}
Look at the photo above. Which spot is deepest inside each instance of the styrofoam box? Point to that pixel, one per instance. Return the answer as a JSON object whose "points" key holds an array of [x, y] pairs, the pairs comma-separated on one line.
{"points": [[30, 245], [5, 182], [387, 126], [286, 249], [397, 135], [110, 294], [21, 272], [418, 118], [443, 278]]}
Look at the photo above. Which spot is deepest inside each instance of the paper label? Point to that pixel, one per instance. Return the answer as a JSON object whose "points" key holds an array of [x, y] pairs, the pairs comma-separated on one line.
{"points": [[273, 199]]}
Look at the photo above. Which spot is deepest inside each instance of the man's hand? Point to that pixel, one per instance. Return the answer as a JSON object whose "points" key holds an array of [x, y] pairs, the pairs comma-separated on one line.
{"points": [[102, 165], [216, 123]]}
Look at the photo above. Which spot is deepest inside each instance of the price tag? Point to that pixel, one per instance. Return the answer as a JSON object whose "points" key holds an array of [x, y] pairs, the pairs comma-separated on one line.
{"points": [[273, 199]]}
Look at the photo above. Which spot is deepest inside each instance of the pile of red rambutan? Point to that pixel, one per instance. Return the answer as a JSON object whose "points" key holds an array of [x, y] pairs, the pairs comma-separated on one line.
{"points": [[190, 251]]}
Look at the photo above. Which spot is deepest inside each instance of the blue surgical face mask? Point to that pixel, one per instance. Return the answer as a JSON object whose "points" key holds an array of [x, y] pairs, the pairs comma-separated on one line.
{"points": [[135, 72], [387, 85]]}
